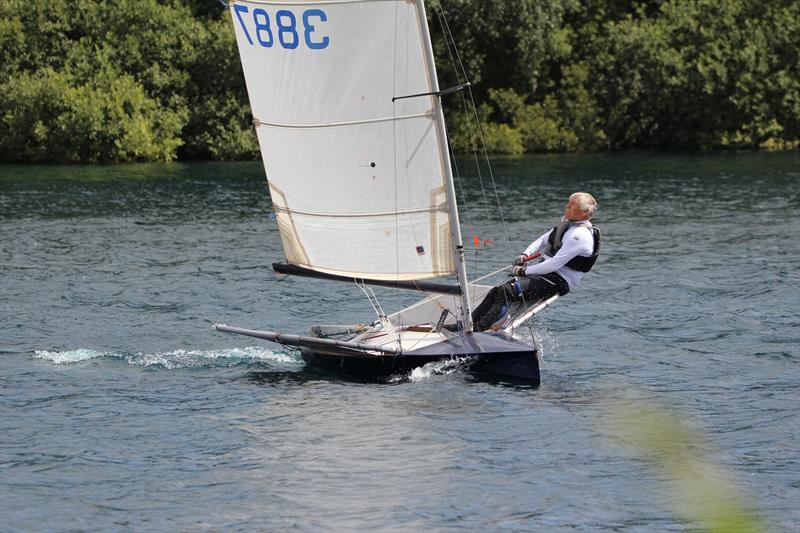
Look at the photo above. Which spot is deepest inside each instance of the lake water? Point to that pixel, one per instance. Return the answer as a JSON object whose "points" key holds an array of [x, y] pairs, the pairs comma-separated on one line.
{"points": [[122, 409]]}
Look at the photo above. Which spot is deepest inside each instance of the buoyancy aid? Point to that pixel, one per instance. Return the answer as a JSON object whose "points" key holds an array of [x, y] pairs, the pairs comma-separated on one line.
{"points": [[579, 263]]}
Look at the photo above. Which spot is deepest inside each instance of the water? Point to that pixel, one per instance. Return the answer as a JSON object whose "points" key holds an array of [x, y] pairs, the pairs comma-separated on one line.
{"points": [[122, 409]]}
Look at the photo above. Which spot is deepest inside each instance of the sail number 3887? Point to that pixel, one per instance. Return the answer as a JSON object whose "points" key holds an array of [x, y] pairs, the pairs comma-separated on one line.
{"points": [[283, 26]]}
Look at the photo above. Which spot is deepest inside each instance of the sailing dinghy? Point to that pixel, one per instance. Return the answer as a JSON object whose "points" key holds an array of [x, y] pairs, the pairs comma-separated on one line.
{"points": [[347, 110]]}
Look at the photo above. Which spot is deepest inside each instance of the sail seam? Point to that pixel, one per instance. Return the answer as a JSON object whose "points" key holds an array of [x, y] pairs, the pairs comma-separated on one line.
{"points": [[258, 122], [360, 215]]}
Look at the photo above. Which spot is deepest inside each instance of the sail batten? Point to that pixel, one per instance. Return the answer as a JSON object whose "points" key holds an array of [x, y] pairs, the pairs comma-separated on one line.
{"points": [[366, 215], [257, 122], [357, 180]]}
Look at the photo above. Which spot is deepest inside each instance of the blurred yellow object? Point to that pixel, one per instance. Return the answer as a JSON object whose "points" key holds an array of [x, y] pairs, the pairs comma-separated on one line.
{"points": [[705, 492]]}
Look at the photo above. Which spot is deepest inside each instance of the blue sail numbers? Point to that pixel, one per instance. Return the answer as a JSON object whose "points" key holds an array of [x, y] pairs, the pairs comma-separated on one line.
{"points": [[283, 23]]}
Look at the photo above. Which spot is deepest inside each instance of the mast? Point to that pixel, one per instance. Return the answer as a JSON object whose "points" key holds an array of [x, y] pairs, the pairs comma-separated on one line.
{"points": [[455, 226]]}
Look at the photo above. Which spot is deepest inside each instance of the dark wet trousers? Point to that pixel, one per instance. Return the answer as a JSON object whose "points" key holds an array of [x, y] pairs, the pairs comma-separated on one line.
{"points": [[528, 289]]}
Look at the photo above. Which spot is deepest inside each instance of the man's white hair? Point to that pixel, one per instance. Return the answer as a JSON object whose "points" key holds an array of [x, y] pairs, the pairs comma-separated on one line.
{"points": [[586, 202]]}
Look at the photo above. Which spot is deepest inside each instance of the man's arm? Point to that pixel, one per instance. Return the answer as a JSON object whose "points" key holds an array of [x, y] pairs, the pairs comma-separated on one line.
{"points": [[577, 242], [538, 244]]}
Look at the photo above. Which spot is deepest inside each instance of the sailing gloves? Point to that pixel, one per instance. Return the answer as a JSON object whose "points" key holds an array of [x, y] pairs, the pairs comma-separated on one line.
{"points": [[519, 265]]}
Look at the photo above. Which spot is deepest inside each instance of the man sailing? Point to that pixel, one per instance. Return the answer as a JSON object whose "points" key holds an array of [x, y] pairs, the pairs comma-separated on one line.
{"points": [[569, 250]]}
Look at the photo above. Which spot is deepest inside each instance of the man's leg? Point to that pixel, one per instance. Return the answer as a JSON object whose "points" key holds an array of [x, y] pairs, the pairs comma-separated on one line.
{"points": [[539, 288], [479, 313], [491, 308]]}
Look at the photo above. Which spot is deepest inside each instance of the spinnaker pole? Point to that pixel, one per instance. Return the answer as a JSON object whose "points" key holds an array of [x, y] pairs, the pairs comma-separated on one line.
{"points": [[441, 134]]}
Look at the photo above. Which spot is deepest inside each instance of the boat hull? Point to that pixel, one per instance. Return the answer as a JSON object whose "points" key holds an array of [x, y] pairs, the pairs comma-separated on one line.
{"points": [[491, 354]]}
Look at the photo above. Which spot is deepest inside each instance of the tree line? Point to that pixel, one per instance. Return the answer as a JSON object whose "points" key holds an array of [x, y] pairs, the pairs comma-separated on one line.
{"points": [[147, 80]]}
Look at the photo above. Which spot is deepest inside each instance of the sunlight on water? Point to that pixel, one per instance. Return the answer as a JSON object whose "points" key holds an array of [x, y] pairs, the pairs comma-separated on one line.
{"points": [[175, 359]]}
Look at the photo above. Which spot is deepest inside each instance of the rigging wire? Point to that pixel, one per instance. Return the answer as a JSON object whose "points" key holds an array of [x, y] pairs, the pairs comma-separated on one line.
{"points": [[448, 34], [457, 175], [465, 82], [464, 202], [461, 77], [373, 299], [459, 181], [489, 167]]}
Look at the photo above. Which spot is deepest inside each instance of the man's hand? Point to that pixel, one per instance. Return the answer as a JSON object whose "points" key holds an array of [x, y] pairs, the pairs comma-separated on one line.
{"points": [[518, 271], [520, 260]]}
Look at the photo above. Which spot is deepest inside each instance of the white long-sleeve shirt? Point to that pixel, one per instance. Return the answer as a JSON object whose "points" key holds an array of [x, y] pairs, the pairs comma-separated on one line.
{"points": [[577, 240]]}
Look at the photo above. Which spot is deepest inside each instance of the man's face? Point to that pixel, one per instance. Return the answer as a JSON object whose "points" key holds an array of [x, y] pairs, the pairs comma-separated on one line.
{"points": [[573, 212]]}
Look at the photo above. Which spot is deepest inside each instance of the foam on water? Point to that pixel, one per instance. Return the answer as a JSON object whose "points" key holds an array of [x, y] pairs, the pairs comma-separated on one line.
{"points": [[437, 368], [540, 334], [175, 359], [71, 356]]}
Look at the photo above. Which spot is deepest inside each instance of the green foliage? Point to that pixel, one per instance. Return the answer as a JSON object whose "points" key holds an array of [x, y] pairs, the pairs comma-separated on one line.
{"points": [[220, 125], [45, 117], [501, 43], [607, 74], [134, 80], [502, 139], [130, 80], [569, 121]]}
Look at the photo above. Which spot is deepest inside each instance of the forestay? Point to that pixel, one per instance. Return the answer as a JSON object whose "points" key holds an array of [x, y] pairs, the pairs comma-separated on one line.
{"points": [[357, 180]]}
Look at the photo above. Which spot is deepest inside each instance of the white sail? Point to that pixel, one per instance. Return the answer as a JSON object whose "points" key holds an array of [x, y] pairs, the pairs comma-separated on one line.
{"points": [[357, 180]]}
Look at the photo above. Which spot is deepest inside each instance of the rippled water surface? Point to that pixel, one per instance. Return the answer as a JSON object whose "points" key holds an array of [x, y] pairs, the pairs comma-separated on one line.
{"points": [[122, 409]]}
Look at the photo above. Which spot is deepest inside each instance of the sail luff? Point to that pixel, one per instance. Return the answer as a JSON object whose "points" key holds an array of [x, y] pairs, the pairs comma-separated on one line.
{"points": [[441, 135]]}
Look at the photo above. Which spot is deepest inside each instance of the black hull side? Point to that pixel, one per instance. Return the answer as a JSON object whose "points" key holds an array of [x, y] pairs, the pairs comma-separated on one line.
{"points": [[520, 367], [482, 353], [363, 366]]}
